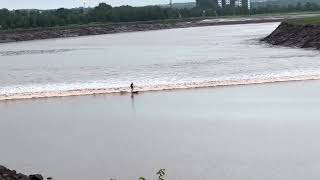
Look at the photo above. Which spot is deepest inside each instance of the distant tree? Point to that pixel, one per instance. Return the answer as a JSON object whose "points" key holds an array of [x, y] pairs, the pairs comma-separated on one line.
{"points": [[207, 4], [106, 13], [196, 12], [299, 6], [102, 13]]}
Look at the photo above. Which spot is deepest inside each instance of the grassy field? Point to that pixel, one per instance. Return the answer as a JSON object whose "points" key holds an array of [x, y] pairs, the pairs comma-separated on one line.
{"points": [[306, 21]]}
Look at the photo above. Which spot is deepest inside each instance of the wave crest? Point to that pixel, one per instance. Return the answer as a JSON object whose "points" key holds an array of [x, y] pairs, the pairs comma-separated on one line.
{"points": [[159, 87]]}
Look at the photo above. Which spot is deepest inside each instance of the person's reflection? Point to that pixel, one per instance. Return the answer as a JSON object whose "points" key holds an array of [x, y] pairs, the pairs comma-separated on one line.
{"points": [[132, 103]]}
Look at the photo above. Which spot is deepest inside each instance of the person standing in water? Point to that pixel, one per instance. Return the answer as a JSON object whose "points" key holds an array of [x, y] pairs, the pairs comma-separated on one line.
{"points": [[132, 87]]}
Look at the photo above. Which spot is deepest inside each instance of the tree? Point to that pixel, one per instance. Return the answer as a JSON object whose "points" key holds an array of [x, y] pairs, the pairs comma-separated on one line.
{"points": [[207, 4], [101, 13]]}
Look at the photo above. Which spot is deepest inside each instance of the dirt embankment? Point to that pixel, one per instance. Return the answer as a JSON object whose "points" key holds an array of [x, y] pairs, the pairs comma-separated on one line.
{"points": [[7, 174], [295, 35], [61, 32]]}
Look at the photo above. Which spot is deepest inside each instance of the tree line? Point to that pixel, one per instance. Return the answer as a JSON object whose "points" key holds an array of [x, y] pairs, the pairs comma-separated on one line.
{"points": [[104, 13], [276, 8], [101, 14]]}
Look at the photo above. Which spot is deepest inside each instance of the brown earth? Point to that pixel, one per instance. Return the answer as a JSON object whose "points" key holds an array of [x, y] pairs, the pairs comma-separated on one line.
{"points": [[292, 35], [7, 174]]}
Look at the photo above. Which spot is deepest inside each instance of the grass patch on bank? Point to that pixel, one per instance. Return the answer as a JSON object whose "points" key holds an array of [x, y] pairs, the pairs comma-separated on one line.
{"points": [[305, 21]]}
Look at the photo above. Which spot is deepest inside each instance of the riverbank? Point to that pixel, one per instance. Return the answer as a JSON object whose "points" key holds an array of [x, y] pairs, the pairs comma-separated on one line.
{"points": [[302, 33], [110, 28], [75, 31], [7, 174]]}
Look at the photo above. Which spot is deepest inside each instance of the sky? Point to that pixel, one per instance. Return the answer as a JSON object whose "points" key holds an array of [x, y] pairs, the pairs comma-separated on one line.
{"points": [[53, 4]]}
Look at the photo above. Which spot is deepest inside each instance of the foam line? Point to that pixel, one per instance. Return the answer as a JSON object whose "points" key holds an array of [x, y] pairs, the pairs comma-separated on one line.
{"points": [[160, 87]]}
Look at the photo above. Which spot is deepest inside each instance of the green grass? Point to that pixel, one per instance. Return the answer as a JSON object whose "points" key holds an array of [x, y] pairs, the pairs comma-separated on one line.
{"points": [[305, 21]]}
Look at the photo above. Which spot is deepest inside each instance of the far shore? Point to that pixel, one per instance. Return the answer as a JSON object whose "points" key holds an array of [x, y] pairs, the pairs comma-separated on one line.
{"points": [[98, 29], [38, 34]]}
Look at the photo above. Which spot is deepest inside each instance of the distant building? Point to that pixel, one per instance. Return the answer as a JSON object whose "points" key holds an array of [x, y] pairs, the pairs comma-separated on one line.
{"points": [[188, 5], [220, 3], [223, 3], [243, 3], [238, 3]]}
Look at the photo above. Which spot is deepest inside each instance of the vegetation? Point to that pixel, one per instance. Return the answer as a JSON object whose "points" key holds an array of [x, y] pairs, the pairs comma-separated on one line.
{"points": [[306, 21], [278, 8], [283, 2], [265, 7], [104, 13]]}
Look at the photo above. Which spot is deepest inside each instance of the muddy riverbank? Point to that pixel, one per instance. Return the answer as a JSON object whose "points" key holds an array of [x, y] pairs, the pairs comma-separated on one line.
{"points": [[7, 174], [295, 35], [62, 32]]}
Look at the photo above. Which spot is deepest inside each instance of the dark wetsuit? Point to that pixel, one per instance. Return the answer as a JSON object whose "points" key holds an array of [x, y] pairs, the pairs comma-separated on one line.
{"points": [[132, 87]]}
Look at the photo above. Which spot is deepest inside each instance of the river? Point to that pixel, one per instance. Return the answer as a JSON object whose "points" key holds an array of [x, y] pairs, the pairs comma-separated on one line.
{"points": [[154, 60], [242, 131]]}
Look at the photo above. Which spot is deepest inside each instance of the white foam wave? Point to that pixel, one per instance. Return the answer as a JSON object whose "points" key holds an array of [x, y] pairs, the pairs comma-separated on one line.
{"points": [[32, 52], [77, 89]]}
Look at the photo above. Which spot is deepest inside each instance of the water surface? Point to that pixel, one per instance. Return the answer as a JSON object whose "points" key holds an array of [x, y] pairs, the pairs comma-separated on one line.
{"points": [[266, 131], [248, 132], [155, 60]]}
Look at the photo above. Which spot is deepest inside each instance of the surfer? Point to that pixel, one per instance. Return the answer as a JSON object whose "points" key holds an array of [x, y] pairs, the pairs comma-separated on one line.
{"points": [[132, 87]]}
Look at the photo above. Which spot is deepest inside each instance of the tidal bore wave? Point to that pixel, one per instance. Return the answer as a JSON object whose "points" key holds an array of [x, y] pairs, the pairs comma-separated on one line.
{"points": [[66, 90]]}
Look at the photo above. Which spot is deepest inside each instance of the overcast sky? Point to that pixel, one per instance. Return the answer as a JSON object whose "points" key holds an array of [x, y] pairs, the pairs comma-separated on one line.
{"points": [[52, 4]]}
